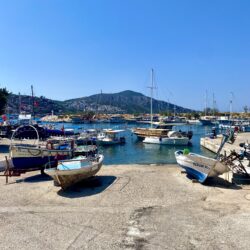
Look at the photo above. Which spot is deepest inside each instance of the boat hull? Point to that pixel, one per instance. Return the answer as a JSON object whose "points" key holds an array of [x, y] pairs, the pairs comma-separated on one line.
{"points": [[166, 141], [67, 178], [29, 158], [205, 122], [200, 167]]}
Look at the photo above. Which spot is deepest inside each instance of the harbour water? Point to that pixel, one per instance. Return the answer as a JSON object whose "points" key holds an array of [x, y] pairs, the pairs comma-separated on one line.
{"points": [[137, 152]]}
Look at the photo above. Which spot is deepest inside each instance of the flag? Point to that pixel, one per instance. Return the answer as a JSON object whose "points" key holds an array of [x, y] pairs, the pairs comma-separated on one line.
{"points": [[4, 117]]}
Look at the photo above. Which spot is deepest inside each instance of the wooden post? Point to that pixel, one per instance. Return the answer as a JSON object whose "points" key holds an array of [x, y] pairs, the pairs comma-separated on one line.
{"points": [[7, 171]]}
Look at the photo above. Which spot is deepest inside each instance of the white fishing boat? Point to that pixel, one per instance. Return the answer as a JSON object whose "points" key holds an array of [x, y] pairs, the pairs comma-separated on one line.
{"points": [[110, 137], [200, 167], [70, 172], [172, 138]]}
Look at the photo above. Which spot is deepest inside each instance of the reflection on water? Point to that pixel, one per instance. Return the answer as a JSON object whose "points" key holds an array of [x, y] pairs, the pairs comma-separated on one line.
{"points": [[135, 151]]}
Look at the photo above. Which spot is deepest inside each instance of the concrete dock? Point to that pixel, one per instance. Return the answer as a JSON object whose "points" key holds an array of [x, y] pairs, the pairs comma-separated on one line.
{"points": [[214, 144], [124, 207]]}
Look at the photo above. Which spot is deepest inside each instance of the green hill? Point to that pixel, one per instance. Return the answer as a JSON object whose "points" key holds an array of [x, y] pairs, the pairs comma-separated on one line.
{"points": [[123, 102]]}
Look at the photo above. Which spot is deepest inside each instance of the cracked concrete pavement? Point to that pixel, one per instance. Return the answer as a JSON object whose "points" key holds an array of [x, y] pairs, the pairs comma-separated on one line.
{"points": [[124, 207]]}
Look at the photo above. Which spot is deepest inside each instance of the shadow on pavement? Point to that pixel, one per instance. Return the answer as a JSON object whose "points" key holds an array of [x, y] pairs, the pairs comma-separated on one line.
{"points": [[88, 187], [36, 178]]}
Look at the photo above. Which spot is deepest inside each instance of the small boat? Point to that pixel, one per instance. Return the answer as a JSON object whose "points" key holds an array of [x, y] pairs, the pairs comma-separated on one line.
{"points": [[85, 150], [110, 137], [200, 167], [70, 172], [173, 138], [207, 120]]}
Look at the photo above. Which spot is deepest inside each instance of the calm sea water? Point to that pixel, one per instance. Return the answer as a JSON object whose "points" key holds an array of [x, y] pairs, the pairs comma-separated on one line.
{"points": [[134, 151]]}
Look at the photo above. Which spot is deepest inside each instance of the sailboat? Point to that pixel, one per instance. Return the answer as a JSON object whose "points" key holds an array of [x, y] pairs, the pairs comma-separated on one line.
{"points": [[161, 135], [158, 130]]}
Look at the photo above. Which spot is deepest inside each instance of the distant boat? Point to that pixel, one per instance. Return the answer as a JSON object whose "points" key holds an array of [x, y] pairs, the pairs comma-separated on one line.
{"points": [[110, 137], [85, 150], [200, 167], [173, 138], [70, 172], [117, 119], [207, 120], [194, 122]]}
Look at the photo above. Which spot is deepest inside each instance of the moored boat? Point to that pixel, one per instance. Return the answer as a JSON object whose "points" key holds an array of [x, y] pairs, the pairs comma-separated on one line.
{"points": [[110, 137], [172, 138], [28, 157]]}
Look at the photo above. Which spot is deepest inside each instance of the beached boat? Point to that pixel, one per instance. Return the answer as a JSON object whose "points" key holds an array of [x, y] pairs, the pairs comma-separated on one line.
{"points": [[70, 172], [172, 138], [200, 167]]}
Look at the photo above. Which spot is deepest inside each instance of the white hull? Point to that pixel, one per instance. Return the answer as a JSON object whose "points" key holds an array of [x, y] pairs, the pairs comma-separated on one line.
{"points": [[167, 140], [199, 166]]}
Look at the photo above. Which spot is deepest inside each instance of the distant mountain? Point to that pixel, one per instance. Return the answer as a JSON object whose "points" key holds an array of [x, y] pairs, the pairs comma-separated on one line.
{"points": [[123, 102]]}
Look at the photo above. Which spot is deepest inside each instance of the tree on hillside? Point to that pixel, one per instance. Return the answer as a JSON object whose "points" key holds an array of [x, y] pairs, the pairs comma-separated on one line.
{"points": [[3, 99]]}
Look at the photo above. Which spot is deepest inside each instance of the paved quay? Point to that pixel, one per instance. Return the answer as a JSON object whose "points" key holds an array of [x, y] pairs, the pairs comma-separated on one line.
{"points": [[124, 207], [214, 144]]}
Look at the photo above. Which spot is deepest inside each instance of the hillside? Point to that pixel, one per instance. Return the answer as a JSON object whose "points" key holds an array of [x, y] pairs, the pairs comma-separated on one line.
{"points": [[123, 102]]}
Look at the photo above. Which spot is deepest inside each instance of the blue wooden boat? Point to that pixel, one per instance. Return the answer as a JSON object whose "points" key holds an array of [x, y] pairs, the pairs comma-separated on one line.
{"points": [[27, 157]]}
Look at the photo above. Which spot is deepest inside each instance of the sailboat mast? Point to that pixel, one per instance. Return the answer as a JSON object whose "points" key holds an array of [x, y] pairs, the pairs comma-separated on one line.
{"points": [[231, 105], [32, 101], [213, 105], [20, 103], [151, 101], [206, 104]]}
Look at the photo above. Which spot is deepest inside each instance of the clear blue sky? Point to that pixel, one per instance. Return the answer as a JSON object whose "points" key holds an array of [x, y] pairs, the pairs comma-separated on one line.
{"points": [[69, 49]]}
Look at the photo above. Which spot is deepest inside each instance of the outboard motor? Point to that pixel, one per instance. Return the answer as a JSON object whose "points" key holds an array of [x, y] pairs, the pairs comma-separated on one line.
{"points": [[122, 139], [190, 134]]}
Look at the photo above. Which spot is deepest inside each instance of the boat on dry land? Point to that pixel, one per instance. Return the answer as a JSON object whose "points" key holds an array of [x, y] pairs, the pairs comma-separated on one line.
{"points": [[70, 172], [200, 167]]}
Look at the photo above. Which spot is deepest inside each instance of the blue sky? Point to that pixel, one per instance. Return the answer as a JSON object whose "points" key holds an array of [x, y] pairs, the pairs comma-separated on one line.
{"points": [[69, 49]]}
